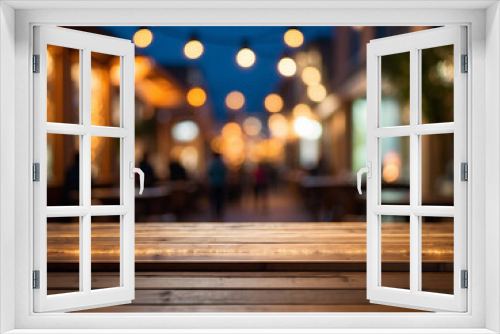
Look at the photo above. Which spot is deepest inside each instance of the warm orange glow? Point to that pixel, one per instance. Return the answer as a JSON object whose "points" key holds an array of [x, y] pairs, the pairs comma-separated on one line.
{"points": [[252, 126], [235, 100], [188, 157], [231, 130], [302, 109], [278, 125], [217, 144], [316, 93], [193, 49], [273, 103], [160, 92], [143, 65], [311, 76], [143, 38], [391, 167], [196, 97], [293, 38]]}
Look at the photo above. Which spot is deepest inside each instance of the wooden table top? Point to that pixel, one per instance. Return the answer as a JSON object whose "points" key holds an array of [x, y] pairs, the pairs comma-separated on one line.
{"points": [[250, 242]]}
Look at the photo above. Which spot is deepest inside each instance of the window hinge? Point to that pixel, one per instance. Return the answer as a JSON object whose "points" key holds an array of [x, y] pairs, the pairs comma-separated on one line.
{"points": [[465, 279], [465, 64], [36, 279], [464, 171], [36, 172], [36, 63]]}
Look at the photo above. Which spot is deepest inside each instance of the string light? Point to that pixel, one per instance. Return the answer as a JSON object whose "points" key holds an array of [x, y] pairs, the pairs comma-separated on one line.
{"points": [[287, 66], [143, 38], [311, 76], [273, 103], [252, 126], [235, 100], [293, 38], [245, 57], [196, 97], [302, 109], [193, 49], [316, 93]]}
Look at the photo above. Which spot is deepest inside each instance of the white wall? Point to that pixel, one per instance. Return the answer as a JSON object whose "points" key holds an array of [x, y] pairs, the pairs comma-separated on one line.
{"points": [[492, 148], [7, 160]]}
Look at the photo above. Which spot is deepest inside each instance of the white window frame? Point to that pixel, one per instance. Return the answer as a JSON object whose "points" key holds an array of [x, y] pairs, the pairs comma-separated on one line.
{"points": [[85, 43], [413, 43], [482, 19]]}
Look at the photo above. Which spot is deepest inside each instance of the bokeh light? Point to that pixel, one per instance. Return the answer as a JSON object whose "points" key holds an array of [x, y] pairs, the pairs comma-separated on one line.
{"points": [[231, 130], [143, 38], [193, 49], [316, 93], [287, 66], [307, 128], [245, 57], [273, 103], [302, 109], [185, 131], [252, 126], [293, 38], [278, 125], [235, 100], [311, 76], [196, 97], [391, 169]]}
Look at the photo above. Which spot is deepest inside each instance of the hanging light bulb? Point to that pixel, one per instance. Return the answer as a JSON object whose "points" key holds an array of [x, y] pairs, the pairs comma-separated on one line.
{"points": [[196, 97], [235, 100], [287, 66], [293, 37], [273, 103], [245, 57], [143, 37], [193, 48]]}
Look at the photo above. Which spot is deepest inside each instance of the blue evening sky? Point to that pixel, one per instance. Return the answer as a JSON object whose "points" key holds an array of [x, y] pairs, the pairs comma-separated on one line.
{"points": [[218, 65]]}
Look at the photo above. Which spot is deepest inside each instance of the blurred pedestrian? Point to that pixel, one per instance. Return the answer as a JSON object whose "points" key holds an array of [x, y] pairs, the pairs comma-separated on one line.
{"points": [[260, 186], [217, 175], [177, 171], [72, 181], [149, 172]]}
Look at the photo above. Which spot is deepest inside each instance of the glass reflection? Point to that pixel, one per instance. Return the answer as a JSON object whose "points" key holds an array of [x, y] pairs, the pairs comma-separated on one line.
{"points": [[106, 171], [63, 82], [395, 248], [437, 84], [395, 92], [437, 254], [63, 170]]}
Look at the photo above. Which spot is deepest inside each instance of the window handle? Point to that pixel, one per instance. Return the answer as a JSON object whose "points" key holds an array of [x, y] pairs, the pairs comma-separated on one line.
{"points": [[134, 170], [368, 171]]}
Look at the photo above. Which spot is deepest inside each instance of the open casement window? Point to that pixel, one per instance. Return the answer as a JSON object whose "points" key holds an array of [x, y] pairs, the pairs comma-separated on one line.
{"points": [[81, 141], [406, 133]]}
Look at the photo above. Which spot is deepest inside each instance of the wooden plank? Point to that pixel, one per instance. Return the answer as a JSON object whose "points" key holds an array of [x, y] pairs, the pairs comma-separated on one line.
{"points": [[248, 308], [247, 280], [250, 242]]}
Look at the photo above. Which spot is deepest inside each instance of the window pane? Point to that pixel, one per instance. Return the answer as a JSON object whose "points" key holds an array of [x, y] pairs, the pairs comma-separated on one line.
{"points": [[105, 171], [395, 89], [395, 152], [63, 255], [63, 82], [437, 169], [63, 170], [105, 89], [105, 252], [395, 247], [437, 84], [437, 254]]}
